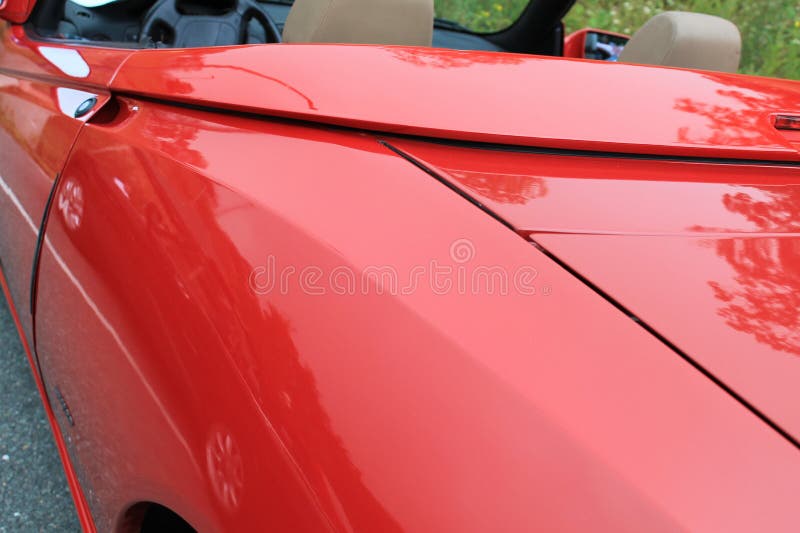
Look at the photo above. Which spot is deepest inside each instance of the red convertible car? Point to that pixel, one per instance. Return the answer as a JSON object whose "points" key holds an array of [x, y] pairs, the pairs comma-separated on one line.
{"points": [[340, 265]]}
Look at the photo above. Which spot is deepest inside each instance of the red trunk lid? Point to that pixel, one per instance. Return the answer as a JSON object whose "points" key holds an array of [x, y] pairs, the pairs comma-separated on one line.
{"points": [[481, 96]]}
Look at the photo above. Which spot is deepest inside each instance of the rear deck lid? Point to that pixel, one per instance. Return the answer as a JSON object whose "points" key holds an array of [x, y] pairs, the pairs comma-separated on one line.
{"points": [[481, 96]]}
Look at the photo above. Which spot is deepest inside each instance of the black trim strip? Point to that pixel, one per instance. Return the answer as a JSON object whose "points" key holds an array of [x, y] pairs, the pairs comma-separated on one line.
{"points": [[521, 149], [37, 254], [39, 241], [627, 312]]}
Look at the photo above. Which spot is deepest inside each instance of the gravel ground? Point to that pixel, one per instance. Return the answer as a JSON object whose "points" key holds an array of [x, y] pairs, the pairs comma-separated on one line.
{"points": [[33, 490]]}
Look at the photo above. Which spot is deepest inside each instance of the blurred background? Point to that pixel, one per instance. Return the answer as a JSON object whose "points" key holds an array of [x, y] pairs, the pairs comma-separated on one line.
{"points": [[770, 28]]}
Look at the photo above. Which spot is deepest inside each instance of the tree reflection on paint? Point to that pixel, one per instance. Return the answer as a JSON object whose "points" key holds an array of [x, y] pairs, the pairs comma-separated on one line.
{"points": [[765, 301], [502, 188]]}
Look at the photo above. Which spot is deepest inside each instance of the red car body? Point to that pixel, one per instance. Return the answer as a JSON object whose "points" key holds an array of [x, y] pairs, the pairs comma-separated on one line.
{"points": [[645, 381]]}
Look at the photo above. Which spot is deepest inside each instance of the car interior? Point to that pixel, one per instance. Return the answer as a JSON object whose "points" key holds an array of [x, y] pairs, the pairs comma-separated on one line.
{"points": [[677, 39], [196, 23]]}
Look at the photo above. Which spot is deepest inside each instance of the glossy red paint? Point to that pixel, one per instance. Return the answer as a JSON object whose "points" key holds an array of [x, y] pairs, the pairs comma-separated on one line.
{"points": [[728, 301], [16, 10], [37, 126], [244, 405], [357, 411], [574, 44], [707, 254], [542, 193], [90, 67], [481, 96]]}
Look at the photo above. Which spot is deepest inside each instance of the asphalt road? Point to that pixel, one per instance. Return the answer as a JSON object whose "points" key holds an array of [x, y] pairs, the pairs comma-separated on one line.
{"points": [[33, 490]]}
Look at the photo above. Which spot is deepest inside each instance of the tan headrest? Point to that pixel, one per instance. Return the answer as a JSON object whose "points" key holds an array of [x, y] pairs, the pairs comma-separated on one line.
{"points": [[402, 22], [689, 40]]}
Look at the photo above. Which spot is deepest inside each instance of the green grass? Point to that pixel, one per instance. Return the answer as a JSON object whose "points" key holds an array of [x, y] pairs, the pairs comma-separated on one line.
{"points": [[770, 28]]}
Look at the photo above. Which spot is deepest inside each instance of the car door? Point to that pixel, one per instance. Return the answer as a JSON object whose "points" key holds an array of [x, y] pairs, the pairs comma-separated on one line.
{"points": [[50, 93], [47, 92]]}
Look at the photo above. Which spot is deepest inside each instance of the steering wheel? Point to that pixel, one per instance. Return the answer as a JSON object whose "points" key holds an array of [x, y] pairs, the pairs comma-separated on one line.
{"points": [[178, 24]]}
